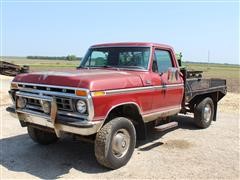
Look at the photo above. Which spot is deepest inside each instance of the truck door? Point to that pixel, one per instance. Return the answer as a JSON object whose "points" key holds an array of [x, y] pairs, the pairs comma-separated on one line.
{"points": [[167, 82]]}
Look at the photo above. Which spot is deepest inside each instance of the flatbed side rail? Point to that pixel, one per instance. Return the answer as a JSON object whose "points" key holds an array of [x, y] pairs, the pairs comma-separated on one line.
{"points": [[195, 87]]}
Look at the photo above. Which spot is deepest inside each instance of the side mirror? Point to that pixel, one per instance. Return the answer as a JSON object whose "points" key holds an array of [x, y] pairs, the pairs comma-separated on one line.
{"points": [[173, 74], [179, 62]]}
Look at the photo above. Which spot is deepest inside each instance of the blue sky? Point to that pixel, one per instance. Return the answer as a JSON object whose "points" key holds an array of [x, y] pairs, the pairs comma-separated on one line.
{"points": [[59, 29]]}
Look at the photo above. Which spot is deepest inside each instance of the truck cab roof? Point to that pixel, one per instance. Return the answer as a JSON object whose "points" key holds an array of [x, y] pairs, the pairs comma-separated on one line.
{"points": [[132, 44]]}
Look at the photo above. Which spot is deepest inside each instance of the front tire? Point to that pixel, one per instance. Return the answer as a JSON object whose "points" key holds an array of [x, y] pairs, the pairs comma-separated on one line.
{"points": [[115, 143], [204, 112], [42, 137]]}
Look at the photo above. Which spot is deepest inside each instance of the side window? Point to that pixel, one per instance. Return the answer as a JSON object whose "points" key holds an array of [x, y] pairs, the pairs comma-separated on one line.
{"points": [[163, 59], [98, 58]]}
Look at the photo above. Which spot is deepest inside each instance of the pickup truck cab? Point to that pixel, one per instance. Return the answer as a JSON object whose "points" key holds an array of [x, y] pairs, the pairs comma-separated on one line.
{"points": [[116, 91]]}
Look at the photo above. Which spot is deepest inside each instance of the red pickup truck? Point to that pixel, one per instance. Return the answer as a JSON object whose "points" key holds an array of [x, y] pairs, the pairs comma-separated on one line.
{"points": [[116, 91]]}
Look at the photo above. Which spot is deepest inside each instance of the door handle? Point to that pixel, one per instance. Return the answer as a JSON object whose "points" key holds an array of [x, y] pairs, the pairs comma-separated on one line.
{"points": [[148, 82], [164, 87]]}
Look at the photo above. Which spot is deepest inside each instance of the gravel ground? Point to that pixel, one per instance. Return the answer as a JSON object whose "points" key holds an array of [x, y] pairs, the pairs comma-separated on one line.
{"points": [[183, 153]]}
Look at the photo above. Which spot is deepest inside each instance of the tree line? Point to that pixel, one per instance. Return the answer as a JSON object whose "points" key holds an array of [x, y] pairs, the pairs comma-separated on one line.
{"points": [[68, 58]]}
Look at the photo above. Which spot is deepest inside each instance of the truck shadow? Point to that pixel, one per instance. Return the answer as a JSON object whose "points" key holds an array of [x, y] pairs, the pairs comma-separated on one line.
{"points": [[21, 154], [184, 122]]}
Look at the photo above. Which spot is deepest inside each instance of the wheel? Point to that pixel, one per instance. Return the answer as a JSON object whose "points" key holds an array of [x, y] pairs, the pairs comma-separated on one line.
{"points": [[115, 143], [42, 137], [203, 113]]}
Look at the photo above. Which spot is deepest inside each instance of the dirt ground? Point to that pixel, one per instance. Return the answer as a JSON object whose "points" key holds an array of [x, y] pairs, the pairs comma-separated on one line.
{"points": [[182, 153]]}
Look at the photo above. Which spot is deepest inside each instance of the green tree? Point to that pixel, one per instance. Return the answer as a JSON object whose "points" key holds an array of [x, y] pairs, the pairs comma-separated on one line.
{"points": [[71, 57]]}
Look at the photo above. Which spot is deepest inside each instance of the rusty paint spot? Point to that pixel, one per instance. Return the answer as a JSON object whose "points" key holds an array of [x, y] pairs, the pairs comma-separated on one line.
{"points": [[179, 144]]}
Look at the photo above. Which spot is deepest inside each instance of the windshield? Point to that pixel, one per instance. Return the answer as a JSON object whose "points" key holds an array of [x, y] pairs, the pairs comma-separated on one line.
{"points": [[117, 57]]}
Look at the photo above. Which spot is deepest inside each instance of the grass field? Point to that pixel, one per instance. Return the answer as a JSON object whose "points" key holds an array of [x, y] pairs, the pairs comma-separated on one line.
{"points": [[43, 64], [229, 72]]}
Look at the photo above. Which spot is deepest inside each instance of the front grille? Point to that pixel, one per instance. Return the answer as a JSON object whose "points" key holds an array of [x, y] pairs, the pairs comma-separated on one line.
{"points": [[64, 104], [46, 88], [33, 102], [65, 96]]}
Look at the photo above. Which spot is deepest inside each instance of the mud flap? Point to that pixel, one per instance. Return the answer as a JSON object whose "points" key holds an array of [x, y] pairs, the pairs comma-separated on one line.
{"points": [[215, 111]]}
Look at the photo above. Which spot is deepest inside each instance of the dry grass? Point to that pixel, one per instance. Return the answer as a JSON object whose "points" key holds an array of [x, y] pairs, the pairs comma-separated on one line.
{"points": [[230, 103]]}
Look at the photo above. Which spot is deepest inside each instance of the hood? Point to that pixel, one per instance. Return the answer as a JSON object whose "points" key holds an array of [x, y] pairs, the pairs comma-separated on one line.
{"points": [[92, 79]]}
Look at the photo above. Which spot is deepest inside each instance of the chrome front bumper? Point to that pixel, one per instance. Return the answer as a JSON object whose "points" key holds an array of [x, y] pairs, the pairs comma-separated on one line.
{"points": [[59, 123], [81, 128]]}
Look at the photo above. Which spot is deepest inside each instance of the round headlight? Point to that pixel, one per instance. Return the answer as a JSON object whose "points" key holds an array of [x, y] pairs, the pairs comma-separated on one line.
{"points": [[81, 106], [21, 102], [46, 107]]}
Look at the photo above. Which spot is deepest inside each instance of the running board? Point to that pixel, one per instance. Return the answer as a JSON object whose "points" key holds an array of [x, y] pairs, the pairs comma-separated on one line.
{"points": [[166, 126]]}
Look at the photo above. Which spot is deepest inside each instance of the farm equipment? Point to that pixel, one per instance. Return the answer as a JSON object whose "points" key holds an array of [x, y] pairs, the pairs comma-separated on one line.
{"points": [[10, 69]]}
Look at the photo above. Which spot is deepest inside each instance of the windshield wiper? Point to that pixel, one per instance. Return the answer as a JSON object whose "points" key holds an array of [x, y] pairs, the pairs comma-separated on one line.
{"points": [[132, 67], [82, 67], [107, 66]]}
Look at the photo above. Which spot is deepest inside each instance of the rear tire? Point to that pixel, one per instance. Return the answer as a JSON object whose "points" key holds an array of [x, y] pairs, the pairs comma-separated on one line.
{"points": [[115, 143], [42, 137], [204, 112]]}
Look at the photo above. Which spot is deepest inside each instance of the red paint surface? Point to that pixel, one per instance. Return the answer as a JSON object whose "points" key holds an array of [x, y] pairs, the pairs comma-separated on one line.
{"points": [[92, 79]]}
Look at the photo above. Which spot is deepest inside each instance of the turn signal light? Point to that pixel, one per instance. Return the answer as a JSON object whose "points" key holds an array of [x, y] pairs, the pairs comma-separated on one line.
{"points": [[98, 93], [80, 93]]}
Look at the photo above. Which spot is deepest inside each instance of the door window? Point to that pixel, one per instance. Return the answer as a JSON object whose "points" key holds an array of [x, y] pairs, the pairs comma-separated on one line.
{"points": [[163, 60]]}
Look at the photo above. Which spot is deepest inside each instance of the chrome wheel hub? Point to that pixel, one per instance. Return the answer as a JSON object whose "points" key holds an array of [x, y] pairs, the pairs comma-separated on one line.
{"points": [[207, 113], [120, 143]]}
